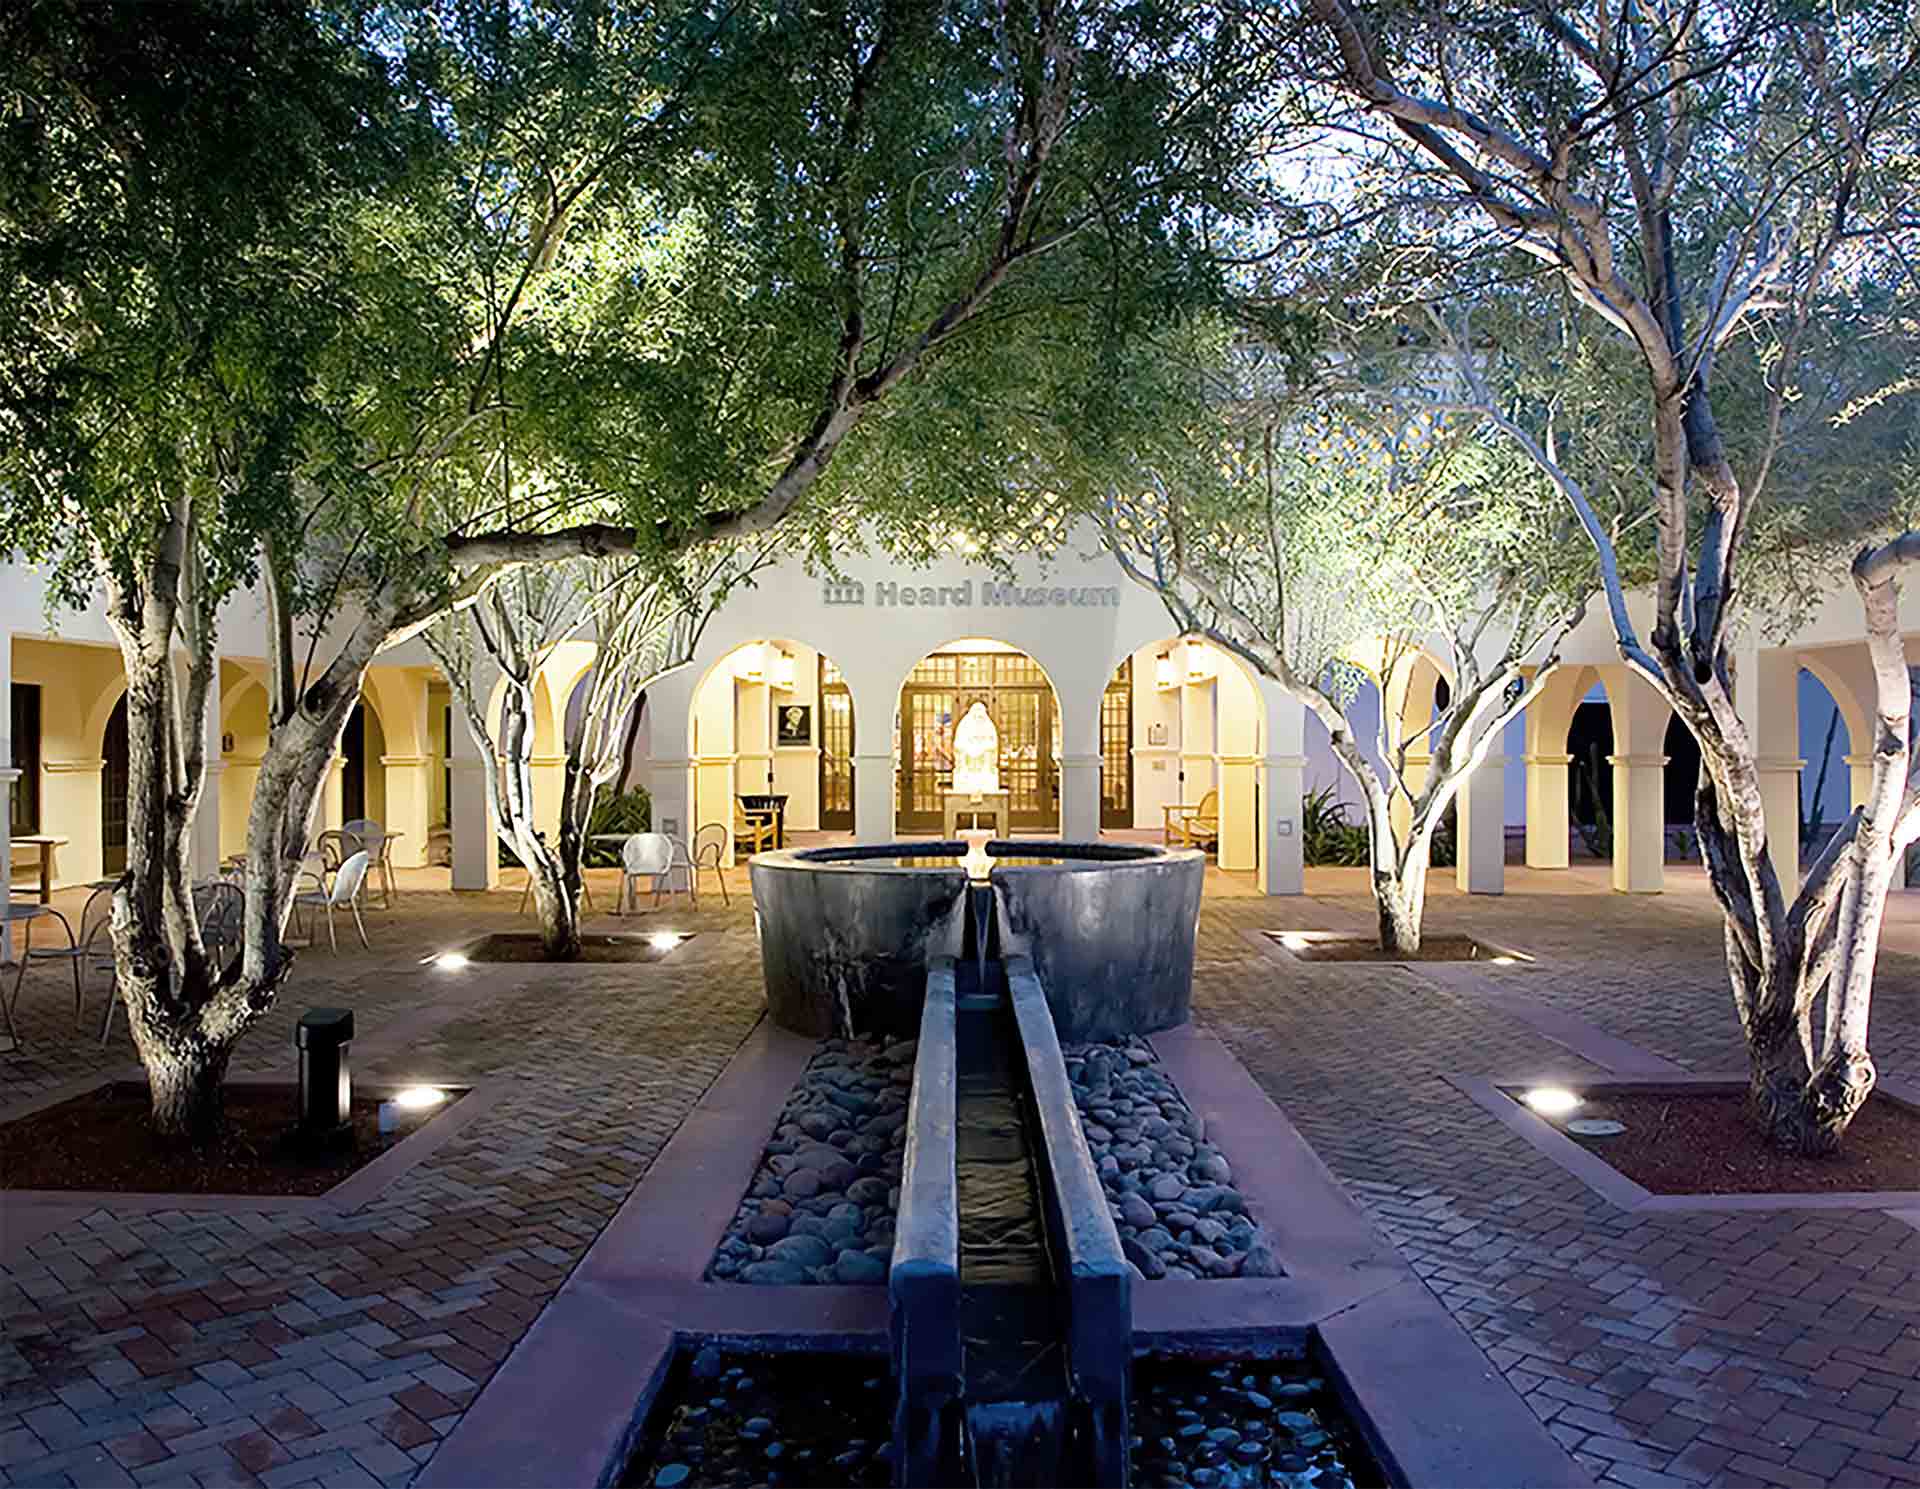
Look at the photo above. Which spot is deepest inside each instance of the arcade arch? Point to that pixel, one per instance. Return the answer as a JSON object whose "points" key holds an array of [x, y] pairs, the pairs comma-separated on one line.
{"points": [[1019, 696]]}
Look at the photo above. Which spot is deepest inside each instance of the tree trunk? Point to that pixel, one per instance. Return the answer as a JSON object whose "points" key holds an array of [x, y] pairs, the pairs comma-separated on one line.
{"points": [[556, 900], [186, 1079], [1400, 897]]}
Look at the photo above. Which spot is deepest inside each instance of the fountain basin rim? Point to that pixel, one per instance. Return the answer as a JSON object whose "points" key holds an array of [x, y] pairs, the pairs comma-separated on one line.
{"points": [[1062, 856]]}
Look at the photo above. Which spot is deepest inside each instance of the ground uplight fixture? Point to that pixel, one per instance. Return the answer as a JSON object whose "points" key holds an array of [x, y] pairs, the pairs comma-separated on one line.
{"points": [[450, 961], [1294, 942], [1552, 1101], [1503, 961], [419, 1098], [665, 940]]}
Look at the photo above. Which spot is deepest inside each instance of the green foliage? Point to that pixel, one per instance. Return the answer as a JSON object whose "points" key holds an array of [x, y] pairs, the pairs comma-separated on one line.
{"points": [[628, 812], [1327, 838]]}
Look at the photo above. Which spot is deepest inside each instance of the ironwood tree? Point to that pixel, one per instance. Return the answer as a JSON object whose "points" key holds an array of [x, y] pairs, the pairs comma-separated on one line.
{"points": [[1712, 185]]}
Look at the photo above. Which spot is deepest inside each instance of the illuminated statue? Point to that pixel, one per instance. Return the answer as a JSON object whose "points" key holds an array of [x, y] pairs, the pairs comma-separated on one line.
{"points": [[976, 754]]}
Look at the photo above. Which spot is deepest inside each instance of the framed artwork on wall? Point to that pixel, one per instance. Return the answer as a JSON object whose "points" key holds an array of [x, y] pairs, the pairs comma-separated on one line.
{"points": [[795, 724]]}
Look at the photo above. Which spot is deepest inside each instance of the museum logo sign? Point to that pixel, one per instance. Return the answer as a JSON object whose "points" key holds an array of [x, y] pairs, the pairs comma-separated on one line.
{"points": [[887, 595]]}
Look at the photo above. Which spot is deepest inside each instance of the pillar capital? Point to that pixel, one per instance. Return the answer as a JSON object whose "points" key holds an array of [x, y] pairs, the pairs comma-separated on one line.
{"points": [[1639, 762], [1548, 759], [73, 767], [1768, 763]]}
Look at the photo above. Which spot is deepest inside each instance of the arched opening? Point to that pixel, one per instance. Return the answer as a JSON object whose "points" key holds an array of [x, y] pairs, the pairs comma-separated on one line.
{"points": [[363, 787], [1017, 695], [771, 727], [113, 791]]}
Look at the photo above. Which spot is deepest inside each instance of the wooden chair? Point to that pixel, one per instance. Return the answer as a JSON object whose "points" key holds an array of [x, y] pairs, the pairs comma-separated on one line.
{"points": [[752, 831], [1192, 827]]}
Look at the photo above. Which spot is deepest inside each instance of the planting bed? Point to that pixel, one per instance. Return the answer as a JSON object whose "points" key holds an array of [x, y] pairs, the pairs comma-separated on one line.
{"points": [[1171, 1191], [596, 948], [102, 1140], [1691, 1141], [821, 1205], [1333, 946]]}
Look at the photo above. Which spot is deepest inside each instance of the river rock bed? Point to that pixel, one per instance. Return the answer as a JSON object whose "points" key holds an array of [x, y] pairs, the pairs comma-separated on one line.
{"points": [[1265, 1422], [1171, 1191], [821, 1205], [794, 1419]]}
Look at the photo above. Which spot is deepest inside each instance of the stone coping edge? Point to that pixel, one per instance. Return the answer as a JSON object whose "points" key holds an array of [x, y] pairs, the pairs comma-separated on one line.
{"points": [[567, 1405], [1433, 1409], [1093, 1270], [1489, 1093], [923, 1280], [357, 1189]]}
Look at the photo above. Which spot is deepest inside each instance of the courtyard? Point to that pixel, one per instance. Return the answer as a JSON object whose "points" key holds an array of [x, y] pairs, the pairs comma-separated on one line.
{"points": [[238, 1345]]}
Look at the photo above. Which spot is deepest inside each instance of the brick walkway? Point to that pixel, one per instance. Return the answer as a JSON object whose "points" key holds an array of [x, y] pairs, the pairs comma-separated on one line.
{"points": [[293, 1348]]}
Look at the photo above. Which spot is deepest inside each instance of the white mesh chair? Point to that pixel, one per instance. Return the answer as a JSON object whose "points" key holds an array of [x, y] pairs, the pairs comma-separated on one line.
{"points": [[645, 855], [710, 852], [679, 861], [363, 833], [344, 893]]}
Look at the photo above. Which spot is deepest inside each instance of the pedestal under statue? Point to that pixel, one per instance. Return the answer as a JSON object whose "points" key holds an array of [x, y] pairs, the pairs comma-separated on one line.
{"points": [[976, 796]]}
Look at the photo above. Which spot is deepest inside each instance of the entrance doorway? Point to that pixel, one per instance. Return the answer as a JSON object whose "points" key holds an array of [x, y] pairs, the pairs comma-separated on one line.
{"points": [[113, 793], [1116, 748], [1019, 700], [353, 775], [836, 750]]}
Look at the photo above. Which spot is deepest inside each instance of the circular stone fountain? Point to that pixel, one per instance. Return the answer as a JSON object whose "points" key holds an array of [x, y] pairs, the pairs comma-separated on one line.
{"points": [[846, 933]]}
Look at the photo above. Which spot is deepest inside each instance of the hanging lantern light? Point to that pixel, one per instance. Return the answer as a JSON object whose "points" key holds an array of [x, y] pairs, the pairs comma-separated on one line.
{"points": [[783, 670], [1163, 670], [751, 665]]}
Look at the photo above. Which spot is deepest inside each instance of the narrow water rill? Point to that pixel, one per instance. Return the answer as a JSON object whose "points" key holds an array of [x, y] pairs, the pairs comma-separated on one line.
{"points": [[1010, 1327], [1009, 1295]]}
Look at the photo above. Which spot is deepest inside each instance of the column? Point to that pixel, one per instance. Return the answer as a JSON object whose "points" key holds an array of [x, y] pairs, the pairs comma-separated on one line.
{"points": [[1547, 815], [548, 773], [1239, 816], [1480, 827], [1080, 798], [670, 791], [873, 797], [1639, 823], [1766, 685], [409, 781], [476, 856], [333, 796], [1282, 860], [71, 807]]}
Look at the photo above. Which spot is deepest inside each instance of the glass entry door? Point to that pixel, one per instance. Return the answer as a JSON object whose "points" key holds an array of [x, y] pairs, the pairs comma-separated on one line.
{"points": [[1020, 702], [836, 750]]}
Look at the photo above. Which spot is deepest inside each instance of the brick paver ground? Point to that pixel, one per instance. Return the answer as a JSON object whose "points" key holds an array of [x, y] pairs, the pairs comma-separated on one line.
{"points": [[1774, 1348]]}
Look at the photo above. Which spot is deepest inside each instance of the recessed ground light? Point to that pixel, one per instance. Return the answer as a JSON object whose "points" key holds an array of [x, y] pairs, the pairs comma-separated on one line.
{"points": [[419, 1098], [1295, 943], [1504, 961], [1551, 1101], [1596, 1127], [450, 961], [665, 940]]}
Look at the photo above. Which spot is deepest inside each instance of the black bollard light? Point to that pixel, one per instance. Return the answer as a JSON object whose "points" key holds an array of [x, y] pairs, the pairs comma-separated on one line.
{"points": [[326, 1084]]}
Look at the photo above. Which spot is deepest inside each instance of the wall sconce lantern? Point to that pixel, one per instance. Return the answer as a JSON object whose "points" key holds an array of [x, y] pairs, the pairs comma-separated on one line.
{"points": [[1163, 670], [783, 670]]}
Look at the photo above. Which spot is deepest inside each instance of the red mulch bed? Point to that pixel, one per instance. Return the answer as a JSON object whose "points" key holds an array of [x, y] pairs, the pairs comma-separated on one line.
{"points": [[1702, 1142], [1368, 949], [596, 948], [103, 1141]]}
